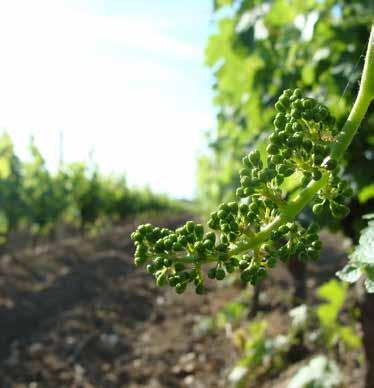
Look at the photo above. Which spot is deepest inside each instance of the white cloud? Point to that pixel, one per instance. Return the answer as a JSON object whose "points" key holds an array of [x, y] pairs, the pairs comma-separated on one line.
{"points": [[105, 81]]}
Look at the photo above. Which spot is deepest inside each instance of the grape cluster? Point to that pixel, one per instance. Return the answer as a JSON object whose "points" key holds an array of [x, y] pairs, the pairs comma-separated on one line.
{"points": [[300, 143]]}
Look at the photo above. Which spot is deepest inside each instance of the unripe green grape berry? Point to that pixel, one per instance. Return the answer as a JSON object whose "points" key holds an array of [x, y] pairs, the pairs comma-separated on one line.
{"points": [[283, 229], [211, 236], [295, 114], [307, 145], [177, 246], [245, 172], [168, 244], [243, 208], [178, 267], [151, 268], [331, 164], [208, 244], [279, 124], [245, 181], [224, 206], [286, 154], [272, 149], [287, 92], [142, 229], [240, 192], [261, 273], [185, 276], [136, 236], [317, 244], [222, 247], [274, 138], [221, 214], [246, 276], [180, 288], [338, 210], [246, 162], [220, 274], [285, 170], [299, 247], [158, 262], [297, 139], [255, 158], [309, 103], [200, 289], [182, 240], [312, 253], [317, 159], [297, 127], [243, 264], [234, 207], [190, 226], [285, 101], [249, 191], [279, 107], [297, 104], [316, 174], [172, 280], [212, 273], [297, 93], [139, 261], [199, 231], [348, 192], [276, 159], [199, 247], [281, 117]]}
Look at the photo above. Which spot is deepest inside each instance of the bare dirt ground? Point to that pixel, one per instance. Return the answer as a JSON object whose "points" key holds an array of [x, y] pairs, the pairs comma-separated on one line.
{"points": [[81, 315]]}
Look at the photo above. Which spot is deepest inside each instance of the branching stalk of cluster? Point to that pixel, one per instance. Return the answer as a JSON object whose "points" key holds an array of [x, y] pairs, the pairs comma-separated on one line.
{"points": [[249, 235]]}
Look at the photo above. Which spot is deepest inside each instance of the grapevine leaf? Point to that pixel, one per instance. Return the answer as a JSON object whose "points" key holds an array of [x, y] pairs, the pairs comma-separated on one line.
{"points": [[320, 372], [364, 252], [369, 285], [349, 273], [361, 261]]}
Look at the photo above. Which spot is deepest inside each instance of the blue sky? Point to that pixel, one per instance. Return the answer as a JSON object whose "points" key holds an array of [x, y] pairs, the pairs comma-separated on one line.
{"points": [[123, 78]]}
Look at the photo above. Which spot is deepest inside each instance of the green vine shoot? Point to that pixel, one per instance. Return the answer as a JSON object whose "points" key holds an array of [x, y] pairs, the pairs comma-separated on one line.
{"points": [[251, 234]]}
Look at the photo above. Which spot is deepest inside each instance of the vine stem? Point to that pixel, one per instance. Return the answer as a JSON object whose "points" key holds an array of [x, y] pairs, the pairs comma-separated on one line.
{"points": [[293, 208]]}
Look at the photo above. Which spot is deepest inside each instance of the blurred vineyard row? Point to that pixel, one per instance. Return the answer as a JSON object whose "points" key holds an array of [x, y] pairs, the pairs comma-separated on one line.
{"points": [[36, 201]]}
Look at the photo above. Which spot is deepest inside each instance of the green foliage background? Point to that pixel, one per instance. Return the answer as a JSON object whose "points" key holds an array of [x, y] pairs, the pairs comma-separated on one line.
{"points": [[34, 199]]}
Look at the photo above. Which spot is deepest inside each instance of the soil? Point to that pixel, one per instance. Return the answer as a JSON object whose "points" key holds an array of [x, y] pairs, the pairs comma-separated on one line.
{"points": [[77, 313]]}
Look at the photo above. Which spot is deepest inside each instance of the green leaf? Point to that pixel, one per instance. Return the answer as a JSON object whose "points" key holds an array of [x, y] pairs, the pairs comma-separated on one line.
{"points": [[320, 372], [369, 285], [349, 273], [280, 13], [307, 74], [335, 293], [349, 337], [366, 193], [364, 252]]}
